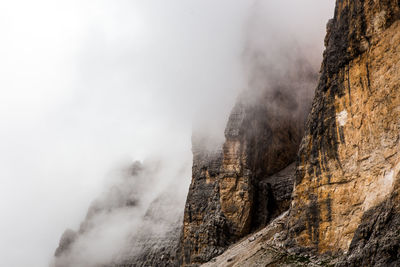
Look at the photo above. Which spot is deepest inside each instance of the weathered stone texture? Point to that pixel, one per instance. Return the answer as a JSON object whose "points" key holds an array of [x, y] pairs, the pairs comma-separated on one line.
{"points": [[232, 191], [205, 232], [376, 241], [345, 209], [349, 157]]}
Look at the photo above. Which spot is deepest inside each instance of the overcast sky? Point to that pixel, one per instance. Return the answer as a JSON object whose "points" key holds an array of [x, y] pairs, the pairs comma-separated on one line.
{"points": [[87, 84]]}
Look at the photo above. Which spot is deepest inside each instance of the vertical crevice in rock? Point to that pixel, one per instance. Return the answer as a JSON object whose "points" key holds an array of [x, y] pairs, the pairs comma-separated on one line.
{"points": [[340, 174], [245, 192]]}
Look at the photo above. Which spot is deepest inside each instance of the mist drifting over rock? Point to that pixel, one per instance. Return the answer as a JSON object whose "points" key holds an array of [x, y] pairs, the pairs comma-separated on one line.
{"points": [[184, 133]]}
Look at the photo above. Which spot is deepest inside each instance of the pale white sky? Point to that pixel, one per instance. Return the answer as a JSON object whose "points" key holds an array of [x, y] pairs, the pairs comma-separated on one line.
{"points": [[86, 84]]}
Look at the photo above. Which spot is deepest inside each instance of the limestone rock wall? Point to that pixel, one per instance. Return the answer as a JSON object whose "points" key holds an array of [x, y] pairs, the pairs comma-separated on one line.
{"points": [[205, 230], [349, 159], [345, 202], [233, 191]]}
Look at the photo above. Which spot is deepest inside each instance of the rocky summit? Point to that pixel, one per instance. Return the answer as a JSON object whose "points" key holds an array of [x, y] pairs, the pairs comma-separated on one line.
{"points": [[284, 190]]}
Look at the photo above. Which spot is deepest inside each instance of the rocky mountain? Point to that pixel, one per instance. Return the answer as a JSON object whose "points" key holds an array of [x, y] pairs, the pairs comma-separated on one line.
{"points": [[284, 190], [234, 191], [346, 182], [345, 206]]}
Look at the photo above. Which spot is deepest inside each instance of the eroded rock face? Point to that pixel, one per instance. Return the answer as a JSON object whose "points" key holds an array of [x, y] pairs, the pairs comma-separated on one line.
{"points": [[347, 179], [205, 230], [349, 158], [376, 241], [233, 190]]}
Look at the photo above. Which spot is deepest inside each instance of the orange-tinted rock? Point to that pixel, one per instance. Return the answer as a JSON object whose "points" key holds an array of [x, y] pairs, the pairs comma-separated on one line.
{"points": [[232, 191], [349, 158]]}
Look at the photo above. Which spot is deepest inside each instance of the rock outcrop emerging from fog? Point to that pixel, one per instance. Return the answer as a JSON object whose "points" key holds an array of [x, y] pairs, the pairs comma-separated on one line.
{"points": [[346, 201], [347, 182], [157, 241], [123, 228], [233, 190], [344, 208]]}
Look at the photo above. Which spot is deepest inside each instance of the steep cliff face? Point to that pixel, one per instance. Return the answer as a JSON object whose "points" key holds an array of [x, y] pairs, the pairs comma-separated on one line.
{"points": [[233, 191], [345, 196], [345, 204], [345, 209], [203, 221]]}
